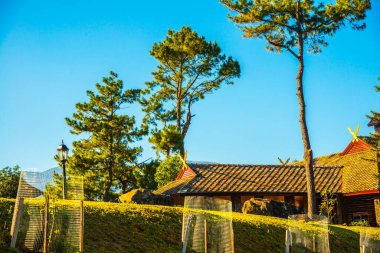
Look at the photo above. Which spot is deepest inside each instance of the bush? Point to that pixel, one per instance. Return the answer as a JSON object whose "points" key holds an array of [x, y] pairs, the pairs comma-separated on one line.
{"points": [[112, 227], [168, 170], [361, 223], [9, 179]]}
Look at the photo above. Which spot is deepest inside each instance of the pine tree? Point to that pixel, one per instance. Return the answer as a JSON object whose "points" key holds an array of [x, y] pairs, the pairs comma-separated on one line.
{"points": [[167, 140], [107, 154], [168, 169], [189, 69], [375, 118], [297, 26], [9, 180]]}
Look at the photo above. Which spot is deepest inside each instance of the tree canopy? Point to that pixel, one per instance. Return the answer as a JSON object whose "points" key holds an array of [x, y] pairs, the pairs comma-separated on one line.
{"points": [[9, 180], [168, 169], [290, 24], [106, 155], [189, 69], [375, 117]]}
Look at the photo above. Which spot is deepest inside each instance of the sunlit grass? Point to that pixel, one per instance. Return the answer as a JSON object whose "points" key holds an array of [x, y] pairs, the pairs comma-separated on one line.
{"points": [[113, 227]]}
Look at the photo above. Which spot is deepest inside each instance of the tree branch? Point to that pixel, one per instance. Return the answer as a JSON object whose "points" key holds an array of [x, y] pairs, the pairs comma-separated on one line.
{"points": [[281, 46]]}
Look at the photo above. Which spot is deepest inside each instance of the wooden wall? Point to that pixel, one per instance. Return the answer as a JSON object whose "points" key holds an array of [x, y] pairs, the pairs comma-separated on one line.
{"points": [[359, 204]]}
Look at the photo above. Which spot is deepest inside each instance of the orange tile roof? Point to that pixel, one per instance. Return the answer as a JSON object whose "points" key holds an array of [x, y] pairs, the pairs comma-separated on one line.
{"points": [[173, 187], [359, 169], [237, 178], [347, 172]]}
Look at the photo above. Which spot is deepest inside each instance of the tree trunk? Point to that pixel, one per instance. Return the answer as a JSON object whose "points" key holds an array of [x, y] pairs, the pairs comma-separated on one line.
{"points": [[123, 187], [186, 128], [182, 149], [308, 153], [179, 126], [106, 195]]}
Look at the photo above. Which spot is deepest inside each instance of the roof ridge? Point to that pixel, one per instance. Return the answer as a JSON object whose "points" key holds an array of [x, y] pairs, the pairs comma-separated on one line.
{"points": [[263, 165]]}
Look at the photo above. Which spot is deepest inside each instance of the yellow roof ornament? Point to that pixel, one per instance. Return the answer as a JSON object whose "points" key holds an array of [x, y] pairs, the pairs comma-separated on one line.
{"points": [[183, 159], [354, 134]]}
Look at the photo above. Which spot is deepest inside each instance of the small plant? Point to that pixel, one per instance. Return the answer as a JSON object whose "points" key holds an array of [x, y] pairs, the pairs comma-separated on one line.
{"points": [[327, 207], [361, 223]]}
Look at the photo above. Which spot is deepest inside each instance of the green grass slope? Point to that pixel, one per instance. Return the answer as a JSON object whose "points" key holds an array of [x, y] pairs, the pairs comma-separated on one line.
{"points": [[112, 227]]}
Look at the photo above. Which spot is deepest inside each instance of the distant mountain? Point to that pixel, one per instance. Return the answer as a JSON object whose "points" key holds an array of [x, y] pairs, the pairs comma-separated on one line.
{"points": [[52, 170], [39, 179]]}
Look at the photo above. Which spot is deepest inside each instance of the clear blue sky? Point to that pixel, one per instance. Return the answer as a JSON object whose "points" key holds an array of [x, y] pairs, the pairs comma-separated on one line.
{"points": [[51, 52]]}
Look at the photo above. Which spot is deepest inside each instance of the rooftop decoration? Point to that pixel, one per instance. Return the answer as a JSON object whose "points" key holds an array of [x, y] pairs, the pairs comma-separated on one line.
{"points": [[354, 134]]}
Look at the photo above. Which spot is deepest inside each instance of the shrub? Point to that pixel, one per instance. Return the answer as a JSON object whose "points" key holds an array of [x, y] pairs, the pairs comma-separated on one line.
{"points": [[168, 170], [112, 227], [361, 223]]}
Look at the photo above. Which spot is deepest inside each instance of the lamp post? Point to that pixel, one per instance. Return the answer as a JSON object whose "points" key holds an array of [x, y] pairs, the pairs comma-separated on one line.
{"points": [[63, 151]]}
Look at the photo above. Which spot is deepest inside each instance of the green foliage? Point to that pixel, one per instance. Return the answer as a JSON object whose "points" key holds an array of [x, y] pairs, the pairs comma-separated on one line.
{"points": [[9, 180], [6, 211], [375, 117], [54, 190], [145, 174], [328, 204], [168, 169], [361, 223], [167, 140], [106, 155], [189, 69], [287, 25]]}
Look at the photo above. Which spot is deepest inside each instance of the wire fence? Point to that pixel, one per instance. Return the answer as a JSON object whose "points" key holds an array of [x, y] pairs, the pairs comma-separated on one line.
{"points": [[204, 230], [369, 241], [42, 222], [313, 239]]}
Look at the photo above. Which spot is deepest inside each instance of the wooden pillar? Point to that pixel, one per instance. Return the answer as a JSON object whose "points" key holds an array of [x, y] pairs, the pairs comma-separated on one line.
{"points": [[236, 203], [305, 243], [287, 241], [205, 234], [339, 209], [377, 210], [232, 237], [46, 225], [305, 204], [81, 221], [17, 213], [189, 220]]}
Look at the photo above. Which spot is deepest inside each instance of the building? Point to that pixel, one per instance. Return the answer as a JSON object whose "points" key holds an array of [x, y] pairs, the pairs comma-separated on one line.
{"points": [[350, 174]]}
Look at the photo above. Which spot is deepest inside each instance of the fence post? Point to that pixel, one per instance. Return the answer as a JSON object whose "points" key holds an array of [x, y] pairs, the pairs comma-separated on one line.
{"points": [[287, 241], [46, 226], [17, 213], [232, 237], [205, 228], [81, 224]]}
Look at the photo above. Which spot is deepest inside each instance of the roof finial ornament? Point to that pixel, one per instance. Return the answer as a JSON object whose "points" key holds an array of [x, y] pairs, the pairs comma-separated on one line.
{"points": [[282, 162], [183, 159], [354, 134]]}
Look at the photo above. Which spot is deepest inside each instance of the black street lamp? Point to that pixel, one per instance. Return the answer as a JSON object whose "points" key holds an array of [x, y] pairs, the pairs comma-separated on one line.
{"points": [[63, 152]]}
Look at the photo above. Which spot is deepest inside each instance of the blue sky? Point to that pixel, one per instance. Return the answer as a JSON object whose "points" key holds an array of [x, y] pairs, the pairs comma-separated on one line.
{"points": [[51, 52]]}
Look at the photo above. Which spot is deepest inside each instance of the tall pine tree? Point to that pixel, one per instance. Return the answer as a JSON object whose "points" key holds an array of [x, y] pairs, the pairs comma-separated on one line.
{"points": [[375, 119], [106, 155], [189, 69], [297, 27]]}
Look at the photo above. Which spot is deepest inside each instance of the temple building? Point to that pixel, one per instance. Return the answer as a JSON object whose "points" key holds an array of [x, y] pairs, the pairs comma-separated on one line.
{"points": [[350, 174]]}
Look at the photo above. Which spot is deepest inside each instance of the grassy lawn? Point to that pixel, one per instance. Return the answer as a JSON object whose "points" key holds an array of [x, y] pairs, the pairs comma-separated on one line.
{"points": [[112, 227]]}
